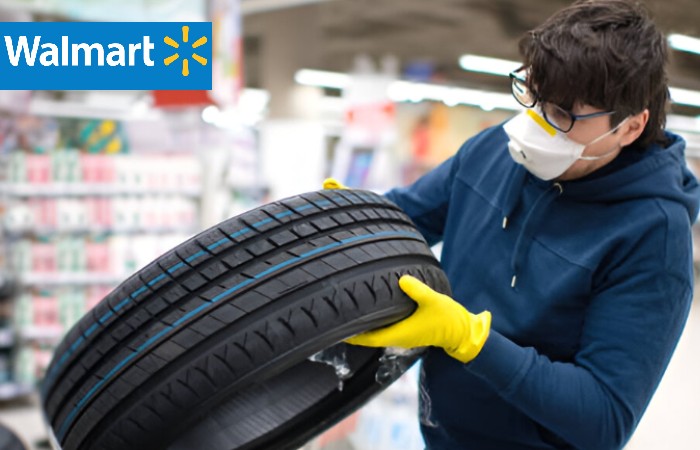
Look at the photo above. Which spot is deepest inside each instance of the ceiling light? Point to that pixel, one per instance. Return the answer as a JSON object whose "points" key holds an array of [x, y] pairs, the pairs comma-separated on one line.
{"points": [[261, 6], [406, 91], [320, 78], [483, 64], [684, 43], [685, 96]]}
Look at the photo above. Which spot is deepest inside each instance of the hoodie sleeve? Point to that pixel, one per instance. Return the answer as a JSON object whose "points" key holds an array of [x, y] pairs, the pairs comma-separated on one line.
{"points": [[426, 200], [632, 325]]}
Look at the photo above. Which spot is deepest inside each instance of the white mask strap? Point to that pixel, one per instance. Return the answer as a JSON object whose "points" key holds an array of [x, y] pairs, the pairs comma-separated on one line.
{"points": [[603, 136], [595, 158]]}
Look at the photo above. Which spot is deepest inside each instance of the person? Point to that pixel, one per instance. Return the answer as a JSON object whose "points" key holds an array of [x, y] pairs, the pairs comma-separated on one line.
{"points": [[568, 229]]}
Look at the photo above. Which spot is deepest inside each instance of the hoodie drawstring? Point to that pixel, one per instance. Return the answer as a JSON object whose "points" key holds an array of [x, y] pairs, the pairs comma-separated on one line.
{"points": [[532, 220], [513, 192]]}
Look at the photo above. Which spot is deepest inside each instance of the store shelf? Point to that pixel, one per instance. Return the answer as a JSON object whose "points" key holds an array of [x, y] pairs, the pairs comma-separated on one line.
{"points": [[7, 337], [9, 391], [89, 189], [80, 218], [68, 279], [34, 333], [79, 231], [78, 109]]}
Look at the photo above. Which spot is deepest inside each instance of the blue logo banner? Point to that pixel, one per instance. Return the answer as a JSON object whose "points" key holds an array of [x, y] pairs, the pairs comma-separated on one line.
{"points": [[105, 55]]}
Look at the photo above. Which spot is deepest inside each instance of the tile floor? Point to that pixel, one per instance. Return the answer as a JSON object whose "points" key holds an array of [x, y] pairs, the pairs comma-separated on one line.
{"points": [[671, 422]]}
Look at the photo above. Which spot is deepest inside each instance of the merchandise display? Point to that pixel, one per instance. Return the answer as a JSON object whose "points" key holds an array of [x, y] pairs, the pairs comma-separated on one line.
{"points": [[77, 221]]}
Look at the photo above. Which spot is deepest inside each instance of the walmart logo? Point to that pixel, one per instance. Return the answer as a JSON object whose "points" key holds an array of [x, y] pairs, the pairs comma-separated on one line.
{"points": [[185, 37], [105, 55]]}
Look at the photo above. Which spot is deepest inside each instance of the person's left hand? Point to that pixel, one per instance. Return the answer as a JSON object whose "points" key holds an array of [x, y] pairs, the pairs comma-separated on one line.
{"points": [[438, 321]]}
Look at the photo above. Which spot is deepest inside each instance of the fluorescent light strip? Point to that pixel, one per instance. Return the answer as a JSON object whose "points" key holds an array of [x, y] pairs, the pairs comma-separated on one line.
{"points": [[503, 67], [261, 6], [685, 96], [405, 91], [484, 64], [684, 43], [320, 78]]}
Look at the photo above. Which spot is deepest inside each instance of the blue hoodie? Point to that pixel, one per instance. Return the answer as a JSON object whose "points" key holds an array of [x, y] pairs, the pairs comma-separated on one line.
{"points": [[589, 283]]}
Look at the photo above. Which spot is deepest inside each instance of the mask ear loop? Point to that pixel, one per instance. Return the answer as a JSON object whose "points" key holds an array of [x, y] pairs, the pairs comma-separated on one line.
{"points": [[603, 136]]}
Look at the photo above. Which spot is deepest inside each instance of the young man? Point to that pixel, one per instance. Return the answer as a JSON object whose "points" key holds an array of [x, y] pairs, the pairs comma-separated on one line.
{"points": [[570, 227]]}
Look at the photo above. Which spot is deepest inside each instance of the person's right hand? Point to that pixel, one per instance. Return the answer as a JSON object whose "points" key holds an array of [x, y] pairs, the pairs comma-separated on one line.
{"points": [[332, 183], [438, 321]]}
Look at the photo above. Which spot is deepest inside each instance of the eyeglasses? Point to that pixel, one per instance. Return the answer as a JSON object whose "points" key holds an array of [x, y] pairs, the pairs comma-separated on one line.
{"points": [[556, 116]]}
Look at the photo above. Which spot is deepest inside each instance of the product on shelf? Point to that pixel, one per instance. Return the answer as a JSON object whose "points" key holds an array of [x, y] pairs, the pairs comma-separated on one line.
{"points": [[77, 221]]}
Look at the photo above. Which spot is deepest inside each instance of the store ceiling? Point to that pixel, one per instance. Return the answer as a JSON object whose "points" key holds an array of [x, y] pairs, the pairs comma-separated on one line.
{"points": [[439, 31], [433, 32]]}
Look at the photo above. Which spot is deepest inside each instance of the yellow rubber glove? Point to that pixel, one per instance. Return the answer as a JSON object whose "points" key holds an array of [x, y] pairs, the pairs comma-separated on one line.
{"points": [[332, 183], [438, 321]]}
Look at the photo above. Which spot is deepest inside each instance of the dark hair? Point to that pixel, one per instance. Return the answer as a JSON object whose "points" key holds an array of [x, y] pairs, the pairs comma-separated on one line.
{"points": [[605, 53]]}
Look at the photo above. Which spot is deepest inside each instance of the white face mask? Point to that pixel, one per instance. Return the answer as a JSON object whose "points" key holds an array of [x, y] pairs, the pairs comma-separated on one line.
{"points": [[545, 151]]}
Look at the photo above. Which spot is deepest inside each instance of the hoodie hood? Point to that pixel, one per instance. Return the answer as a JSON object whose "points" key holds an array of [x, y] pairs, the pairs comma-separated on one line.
{"points": [[659, 172]]}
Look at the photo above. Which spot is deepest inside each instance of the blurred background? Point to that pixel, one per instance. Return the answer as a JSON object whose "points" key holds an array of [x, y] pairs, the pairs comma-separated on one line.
{"points": [[95, 184]]}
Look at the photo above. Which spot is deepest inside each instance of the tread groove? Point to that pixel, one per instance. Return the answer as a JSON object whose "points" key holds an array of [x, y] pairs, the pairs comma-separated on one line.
{"points": [[287, 326], [330, 303], [265, 340], [245, 352], [352, 298], [310, 316]]}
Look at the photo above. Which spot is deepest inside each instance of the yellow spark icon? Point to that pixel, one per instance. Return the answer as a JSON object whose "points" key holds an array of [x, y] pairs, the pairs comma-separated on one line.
{"points": [[175, 56]]}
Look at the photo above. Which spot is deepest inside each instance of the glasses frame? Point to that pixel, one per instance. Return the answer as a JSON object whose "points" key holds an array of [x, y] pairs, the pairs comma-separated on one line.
{"points": [[514, 77]]}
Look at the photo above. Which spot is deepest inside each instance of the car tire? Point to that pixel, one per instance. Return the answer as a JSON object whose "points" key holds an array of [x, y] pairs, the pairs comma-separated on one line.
{"points": [[233, 339]]}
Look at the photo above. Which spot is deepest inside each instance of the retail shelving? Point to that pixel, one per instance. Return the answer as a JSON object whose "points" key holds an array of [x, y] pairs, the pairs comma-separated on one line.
{"points": [[7, 337], [70, 279], [9, 391], [90, 189], [74, 225], [79, 214]]}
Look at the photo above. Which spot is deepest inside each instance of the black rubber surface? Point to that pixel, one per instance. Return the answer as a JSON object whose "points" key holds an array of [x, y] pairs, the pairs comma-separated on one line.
{"points": [[209, 345]]}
